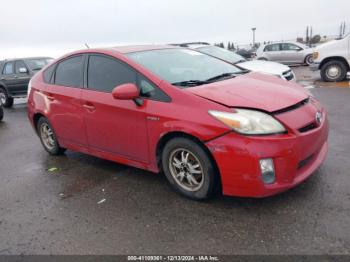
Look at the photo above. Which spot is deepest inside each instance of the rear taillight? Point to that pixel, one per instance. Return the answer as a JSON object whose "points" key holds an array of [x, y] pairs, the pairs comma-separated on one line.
{"points": [[29, 88]]}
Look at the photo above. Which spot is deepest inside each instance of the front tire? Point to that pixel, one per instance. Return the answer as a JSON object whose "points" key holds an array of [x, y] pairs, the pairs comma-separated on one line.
{"points": [[309, 59], [5, 99], [48, 137], [333, 71], [189, 169]]}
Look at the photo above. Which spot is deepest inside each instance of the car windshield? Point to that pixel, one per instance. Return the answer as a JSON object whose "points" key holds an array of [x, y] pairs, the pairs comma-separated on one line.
{"points": [[183, 67], [222, 53], [38, 64]]}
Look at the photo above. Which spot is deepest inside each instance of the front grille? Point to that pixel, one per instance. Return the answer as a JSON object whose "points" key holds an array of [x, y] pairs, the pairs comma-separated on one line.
{"points": [[304, 162], [293, 107], [288, 75], [307, 127]]}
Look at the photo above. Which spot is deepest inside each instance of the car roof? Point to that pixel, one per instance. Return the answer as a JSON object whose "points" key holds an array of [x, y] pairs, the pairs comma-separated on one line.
{"points": [[140, 48], [284, 42], [193, 44], [25, 58]]}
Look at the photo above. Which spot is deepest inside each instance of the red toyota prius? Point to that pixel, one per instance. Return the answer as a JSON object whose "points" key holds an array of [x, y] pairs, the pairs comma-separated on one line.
{"points": [[208, 125]]}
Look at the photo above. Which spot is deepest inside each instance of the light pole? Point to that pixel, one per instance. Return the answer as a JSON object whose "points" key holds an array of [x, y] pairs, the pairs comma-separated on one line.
{"points": [[253, 29]]}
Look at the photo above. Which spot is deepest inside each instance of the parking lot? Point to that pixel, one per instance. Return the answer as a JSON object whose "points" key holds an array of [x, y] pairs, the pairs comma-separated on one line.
{"points": [[78, 204]]}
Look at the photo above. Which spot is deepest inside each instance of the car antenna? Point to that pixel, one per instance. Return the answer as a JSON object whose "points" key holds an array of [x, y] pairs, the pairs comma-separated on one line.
{"points": [[87, 46]]}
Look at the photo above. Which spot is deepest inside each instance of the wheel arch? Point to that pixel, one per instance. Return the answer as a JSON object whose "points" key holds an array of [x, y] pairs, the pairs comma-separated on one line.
{"points": [[3, 86], [337, 58], [306, 56], [179, 134], [36, 118]]}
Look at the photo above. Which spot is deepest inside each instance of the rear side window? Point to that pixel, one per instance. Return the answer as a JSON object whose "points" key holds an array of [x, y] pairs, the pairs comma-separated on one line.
{"points": [[70, 72], [8, 69], [105, 73], [20, 64], [48, 74], [271, 48]]}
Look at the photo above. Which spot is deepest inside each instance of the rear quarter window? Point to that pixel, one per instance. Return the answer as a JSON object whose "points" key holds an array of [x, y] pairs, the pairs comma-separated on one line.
{"points": [[48, 74]]}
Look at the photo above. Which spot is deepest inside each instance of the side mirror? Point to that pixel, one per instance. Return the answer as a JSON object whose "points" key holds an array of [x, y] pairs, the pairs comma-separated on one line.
{"points": [[126, 92], [23, 70]]}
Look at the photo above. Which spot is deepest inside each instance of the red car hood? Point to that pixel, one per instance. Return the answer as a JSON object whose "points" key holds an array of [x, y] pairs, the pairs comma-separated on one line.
{"points": [[253, 90]]}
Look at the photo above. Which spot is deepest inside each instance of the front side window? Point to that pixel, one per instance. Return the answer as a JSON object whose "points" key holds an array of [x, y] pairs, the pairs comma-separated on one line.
{"points": [[69, 72], [149, 90], [18, 65], [290, 47], [181, 65], [105, 73], [8, 68]]}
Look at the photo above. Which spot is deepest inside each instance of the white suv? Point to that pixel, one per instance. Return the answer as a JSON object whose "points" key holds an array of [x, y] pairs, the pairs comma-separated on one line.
{"points": [[333, 59]]}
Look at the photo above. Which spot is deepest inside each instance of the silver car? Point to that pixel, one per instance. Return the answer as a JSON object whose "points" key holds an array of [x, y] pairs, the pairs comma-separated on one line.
{"points": [[286, 53], [265, 67]]}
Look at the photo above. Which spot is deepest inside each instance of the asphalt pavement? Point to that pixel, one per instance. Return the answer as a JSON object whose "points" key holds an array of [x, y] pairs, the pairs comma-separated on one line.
{"points": [[79, 204]]}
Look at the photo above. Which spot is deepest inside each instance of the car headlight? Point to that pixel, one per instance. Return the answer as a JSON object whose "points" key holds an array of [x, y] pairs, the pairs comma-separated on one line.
{"points": [[315, 55], [249, 122]]}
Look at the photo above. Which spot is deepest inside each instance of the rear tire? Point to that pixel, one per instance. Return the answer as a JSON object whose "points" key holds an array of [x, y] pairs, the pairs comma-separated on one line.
{"points": [[262, 59], [334, 71], [48, 137], [5, 99], [189, 169]]}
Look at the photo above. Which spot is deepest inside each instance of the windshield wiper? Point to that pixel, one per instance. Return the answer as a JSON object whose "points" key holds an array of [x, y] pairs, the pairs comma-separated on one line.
{"points": [[218, 77], [239, 61], [190, 83]]}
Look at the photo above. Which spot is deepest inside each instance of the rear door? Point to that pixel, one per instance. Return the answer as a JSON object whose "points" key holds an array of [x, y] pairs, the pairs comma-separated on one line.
{"points": [[273, 52], [114, 126], [22, 78], [291, 53], [63, 94]]}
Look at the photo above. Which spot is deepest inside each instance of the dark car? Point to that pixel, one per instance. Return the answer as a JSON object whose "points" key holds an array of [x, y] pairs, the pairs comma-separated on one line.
{"points": [[1, 112], [15, 75], [247, 54]]}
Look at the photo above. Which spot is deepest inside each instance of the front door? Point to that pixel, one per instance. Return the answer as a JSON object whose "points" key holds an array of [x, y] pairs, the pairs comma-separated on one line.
{"points": [[114, 126]]}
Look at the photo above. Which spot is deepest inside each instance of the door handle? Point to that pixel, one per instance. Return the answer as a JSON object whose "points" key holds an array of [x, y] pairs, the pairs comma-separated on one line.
{"points": [[89, 107]]}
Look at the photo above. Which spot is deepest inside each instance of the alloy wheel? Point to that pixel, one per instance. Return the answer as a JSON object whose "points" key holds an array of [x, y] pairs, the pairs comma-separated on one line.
{"points": [[47, 136], [186, 169], [2, 98]]}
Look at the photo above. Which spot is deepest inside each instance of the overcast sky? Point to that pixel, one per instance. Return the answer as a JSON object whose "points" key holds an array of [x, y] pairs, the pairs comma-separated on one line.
{"points": [[53, 27]]}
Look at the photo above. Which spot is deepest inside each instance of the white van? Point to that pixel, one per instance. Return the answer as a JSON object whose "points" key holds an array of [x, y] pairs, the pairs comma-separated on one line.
{"points": [[333, 59]]}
